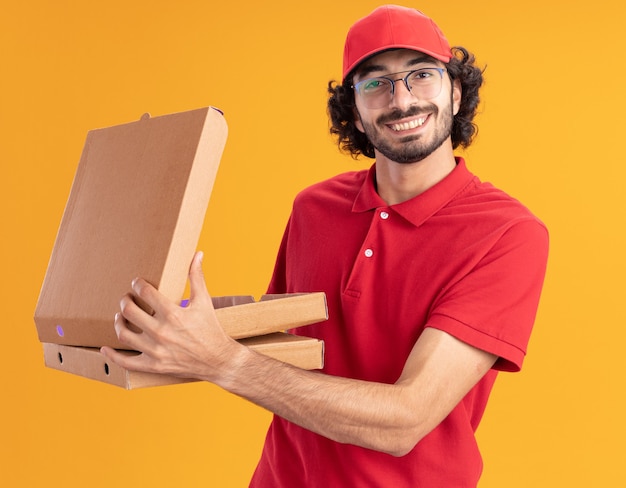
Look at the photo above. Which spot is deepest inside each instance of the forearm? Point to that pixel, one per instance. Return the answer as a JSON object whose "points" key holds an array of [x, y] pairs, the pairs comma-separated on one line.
{"points": [[189, 342], [374, 415]]}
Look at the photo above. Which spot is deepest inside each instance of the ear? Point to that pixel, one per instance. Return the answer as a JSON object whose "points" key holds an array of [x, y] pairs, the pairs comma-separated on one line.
{"points": [[457, 94]]}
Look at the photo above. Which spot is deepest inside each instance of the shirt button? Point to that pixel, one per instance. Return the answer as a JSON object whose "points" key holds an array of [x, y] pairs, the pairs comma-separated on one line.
{"points": [[369, 253], [384, 215]]}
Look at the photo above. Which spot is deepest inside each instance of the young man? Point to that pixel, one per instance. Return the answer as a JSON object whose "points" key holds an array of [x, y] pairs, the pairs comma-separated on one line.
{"points": [[432, 280]]}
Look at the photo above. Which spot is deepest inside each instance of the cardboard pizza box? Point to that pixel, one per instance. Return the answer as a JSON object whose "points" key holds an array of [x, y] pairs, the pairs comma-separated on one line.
{"points": [[136, 208], [303, 352]]}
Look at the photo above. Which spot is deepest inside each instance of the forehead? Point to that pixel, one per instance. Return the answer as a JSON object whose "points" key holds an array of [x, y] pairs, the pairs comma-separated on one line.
{"points": [[393, 61]]}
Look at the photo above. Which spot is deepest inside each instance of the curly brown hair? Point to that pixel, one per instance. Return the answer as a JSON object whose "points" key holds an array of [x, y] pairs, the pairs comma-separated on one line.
{"points": [[341, 107]]}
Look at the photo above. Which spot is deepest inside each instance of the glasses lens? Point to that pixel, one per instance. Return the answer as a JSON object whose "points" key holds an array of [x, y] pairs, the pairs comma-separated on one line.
{"points": [[425, 83], [375, 92]]}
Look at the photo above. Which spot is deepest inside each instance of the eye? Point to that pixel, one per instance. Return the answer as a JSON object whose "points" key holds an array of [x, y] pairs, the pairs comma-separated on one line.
{"points": [[422, 75], [373, 85]]}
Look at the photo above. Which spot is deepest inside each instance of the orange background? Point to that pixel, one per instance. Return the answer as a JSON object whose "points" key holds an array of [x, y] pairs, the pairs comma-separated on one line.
{"points": [[550, 130]]}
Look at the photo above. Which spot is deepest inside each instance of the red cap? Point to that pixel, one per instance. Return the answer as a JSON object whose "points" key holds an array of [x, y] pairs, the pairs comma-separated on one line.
{"points": [[393, 27]]}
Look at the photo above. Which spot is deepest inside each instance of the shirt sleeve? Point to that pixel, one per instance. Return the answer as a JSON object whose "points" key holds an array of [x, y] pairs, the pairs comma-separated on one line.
{"points": [[493, 307], [278, 283]]}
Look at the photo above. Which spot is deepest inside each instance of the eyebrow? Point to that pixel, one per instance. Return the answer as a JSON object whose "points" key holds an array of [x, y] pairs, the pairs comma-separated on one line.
{"points": [[373, 68]]}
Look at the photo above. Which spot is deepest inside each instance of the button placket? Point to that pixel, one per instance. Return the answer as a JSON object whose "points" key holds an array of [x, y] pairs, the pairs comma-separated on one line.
{"points": [[368, 252]]}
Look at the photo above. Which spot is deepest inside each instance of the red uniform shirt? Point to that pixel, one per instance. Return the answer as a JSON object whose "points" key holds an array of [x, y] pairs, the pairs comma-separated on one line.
{"points": [[462, 257]]}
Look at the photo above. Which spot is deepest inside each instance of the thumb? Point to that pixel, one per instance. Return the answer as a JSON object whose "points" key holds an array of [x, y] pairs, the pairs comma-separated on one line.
{"points": [[197, 284]]}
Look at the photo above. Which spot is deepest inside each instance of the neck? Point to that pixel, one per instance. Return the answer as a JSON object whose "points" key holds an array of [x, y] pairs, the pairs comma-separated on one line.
{"points": [[397, 183]]}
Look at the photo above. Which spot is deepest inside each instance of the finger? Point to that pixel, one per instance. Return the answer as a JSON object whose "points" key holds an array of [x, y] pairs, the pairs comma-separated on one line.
{"points": [[148, 294], [197, 284], [134, 362], [135, 341], [134, 313]]}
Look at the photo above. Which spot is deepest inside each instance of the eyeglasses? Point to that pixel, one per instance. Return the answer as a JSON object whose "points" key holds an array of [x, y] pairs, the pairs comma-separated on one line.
{"points": [[424, 84]]}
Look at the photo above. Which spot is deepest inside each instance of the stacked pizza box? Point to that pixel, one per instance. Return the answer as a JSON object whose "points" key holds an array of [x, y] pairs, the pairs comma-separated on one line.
{"points": [[136, 208]]}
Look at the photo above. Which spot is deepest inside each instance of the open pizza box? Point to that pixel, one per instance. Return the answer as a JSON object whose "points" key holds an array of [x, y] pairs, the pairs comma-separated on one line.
{"points": [[136, 208]]}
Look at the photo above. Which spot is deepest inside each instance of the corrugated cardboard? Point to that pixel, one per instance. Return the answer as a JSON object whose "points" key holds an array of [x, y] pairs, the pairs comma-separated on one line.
{"points": [[273, 313], [299, 351], [136, 208]]}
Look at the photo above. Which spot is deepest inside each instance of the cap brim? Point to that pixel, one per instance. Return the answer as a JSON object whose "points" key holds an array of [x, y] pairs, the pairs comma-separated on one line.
{"points": [[374, 52]]}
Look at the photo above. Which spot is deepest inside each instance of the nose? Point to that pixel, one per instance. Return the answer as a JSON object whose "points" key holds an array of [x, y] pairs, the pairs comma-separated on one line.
{"points": [[401, 95]]}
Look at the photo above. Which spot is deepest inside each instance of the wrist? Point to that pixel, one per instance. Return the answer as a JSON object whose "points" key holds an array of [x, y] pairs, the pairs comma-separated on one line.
{"points": [[227, 367]]}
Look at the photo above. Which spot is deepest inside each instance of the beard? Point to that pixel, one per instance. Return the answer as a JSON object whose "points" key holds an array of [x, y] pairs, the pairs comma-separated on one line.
{"points": [[410, 149]]}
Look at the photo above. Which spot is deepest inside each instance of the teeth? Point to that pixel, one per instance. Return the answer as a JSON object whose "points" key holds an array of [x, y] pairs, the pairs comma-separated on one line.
{"points": [[409, 125]]}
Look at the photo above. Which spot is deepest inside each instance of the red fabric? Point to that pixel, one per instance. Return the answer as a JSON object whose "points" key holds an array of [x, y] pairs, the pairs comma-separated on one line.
{"points": [[462, 257], [393, 27]]}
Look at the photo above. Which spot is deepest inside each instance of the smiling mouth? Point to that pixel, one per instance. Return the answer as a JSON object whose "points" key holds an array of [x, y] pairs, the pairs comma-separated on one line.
{"points": [[412, 124]]}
